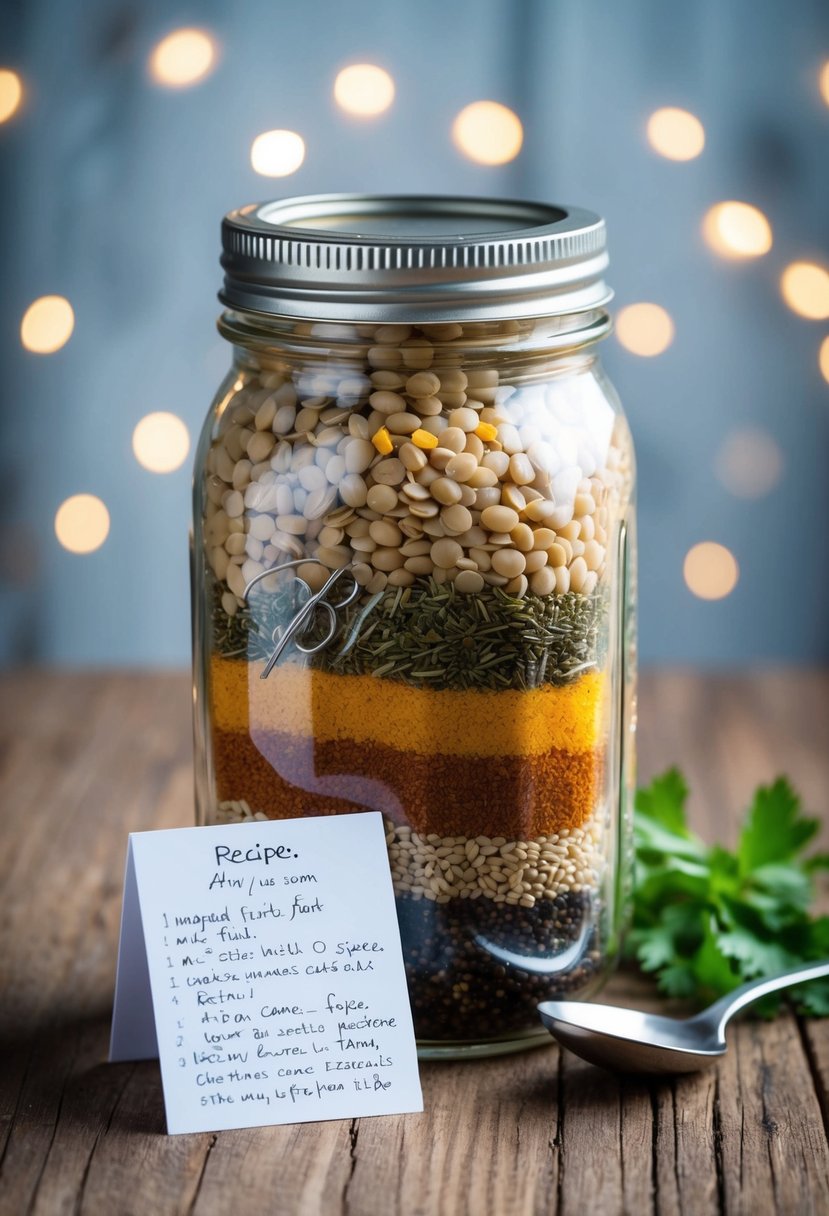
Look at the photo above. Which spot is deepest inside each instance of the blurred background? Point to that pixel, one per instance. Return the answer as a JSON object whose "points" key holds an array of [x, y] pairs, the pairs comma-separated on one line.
{"points": [[127, 129]]}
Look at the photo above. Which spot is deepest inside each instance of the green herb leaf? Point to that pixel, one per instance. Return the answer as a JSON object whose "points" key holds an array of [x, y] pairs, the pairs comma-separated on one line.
{"points": [[712, 968], [678, 980], [663, 802], [818, 861], [813, 998], [774, 829], [788, 884], [820, 934], [707, 919], [754, 955]]}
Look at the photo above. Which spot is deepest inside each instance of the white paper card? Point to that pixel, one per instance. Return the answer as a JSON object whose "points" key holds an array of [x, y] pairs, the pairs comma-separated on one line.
{"points": [[262, 963]]}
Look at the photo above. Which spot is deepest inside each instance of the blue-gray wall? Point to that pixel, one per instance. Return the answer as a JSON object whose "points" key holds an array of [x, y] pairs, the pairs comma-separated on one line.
{"points": [[113, 193]]}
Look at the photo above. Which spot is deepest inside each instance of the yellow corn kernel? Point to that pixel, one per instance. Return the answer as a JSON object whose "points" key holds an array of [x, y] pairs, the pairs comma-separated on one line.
{"points": [[424, 439], [382, 441], [486, 431]]}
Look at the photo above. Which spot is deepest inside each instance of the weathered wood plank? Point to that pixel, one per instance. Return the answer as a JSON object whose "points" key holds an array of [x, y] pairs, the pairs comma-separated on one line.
{"points": [[816, 1041], [684, 1145], [606, 1138], [772, 1139], [487, 1142], [74, 1056], [94, 755], [591, 1138], [134, 1168], [303, 1169]]}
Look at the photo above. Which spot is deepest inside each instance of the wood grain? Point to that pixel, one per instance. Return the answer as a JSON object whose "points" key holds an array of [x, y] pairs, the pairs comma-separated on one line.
{"points": [[85, 758]]}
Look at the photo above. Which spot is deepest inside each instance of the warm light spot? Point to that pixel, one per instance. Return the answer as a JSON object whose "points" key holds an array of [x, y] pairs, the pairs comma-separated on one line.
{"points": [[488, 133], [183, 58], [805, 289], [737, 230], [749, 462], [644, 329], [161, 442], [824, 82], [364, 89], [824, 359], [711, 571], [47, 325], [277, 153], [676, 134], [82, 523], [11, 93]]}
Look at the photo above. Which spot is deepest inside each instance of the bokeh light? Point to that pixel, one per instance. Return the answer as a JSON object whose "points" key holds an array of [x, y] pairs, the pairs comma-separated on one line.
{"points": [[675, 133], [183, 58], [11, 93], [644, 329], [710, 570], [737, 230], [488, 132], [277, 153], [47, 325], [161, 442], [364, 89], [823, 359], [749, 462], [805, 288], [823, 81], [82, 523]]}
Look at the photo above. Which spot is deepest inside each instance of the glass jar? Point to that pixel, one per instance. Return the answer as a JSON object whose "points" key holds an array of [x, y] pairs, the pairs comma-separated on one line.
{"points": [[413, 580]]}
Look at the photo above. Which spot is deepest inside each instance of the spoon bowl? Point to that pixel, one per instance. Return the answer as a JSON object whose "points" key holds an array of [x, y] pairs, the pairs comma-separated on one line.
{"points": [[627, 1040]]}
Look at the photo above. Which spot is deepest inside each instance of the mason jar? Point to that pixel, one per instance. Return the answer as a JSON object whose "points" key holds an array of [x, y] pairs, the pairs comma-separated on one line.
{"points": [[413, 580]]}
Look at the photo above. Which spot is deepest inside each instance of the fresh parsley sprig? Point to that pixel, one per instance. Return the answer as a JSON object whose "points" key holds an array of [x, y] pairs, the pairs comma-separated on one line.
{"points": [[706, 919]]}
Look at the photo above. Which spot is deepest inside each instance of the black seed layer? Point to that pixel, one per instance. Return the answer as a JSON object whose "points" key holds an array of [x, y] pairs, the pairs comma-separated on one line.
{"points": [[465, 962]]}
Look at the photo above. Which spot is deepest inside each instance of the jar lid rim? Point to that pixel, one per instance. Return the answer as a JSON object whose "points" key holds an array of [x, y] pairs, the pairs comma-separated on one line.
{"points": [[432, 258]]}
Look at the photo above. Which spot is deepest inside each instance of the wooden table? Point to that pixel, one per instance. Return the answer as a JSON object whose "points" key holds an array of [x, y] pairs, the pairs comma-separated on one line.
{"points": [[87, 757]]}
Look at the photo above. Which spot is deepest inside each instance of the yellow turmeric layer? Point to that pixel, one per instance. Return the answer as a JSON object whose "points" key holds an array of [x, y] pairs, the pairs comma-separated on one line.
{"points": [[304, 701]]}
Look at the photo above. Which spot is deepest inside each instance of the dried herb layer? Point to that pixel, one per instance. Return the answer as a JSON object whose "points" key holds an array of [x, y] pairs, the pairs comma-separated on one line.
{"points": [[430, 635]]}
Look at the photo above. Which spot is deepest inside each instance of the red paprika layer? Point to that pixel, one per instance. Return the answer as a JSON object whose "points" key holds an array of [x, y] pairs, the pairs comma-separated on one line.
{"points": [[519, 797]]}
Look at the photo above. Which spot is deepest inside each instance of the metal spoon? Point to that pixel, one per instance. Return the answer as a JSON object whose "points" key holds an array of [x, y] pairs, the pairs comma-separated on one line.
{"points": [[627, 1040]]}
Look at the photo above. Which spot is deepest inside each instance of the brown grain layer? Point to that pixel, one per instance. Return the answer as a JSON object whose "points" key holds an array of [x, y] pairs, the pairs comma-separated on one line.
{"points": [[513, 796]]}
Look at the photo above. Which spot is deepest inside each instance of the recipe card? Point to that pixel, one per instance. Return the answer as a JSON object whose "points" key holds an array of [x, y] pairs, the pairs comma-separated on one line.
{"points": [[261, 962]]}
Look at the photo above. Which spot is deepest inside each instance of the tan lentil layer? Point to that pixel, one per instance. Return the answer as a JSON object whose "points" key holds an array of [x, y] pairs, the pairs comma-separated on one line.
{"points": [[403, 465], [515, 872], [519, 797]]}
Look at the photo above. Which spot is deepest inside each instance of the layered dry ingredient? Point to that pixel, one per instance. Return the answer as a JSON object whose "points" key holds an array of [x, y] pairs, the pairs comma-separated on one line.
{"points": [[464, 694], [456, 760]]}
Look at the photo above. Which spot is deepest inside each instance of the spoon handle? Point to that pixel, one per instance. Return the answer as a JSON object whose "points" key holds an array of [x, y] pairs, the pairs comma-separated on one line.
{"points": [[722, 1011]]}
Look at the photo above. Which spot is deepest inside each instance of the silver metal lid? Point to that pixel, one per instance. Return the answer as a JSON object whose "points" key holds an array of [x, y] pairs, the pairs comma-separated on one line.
{"points": [[419, 258]]}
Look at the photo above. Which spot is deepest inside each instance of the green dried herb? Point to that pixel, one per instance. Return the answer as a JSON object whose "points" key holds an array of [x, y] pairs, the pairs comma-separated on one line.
{"points": [[429, 635]]}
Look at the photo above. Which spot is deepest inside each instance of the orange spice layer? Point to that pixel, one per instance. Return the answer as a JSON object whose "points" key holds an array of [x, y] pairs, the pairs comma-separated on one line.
{"points": [[518, 797], [306, 702]]}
